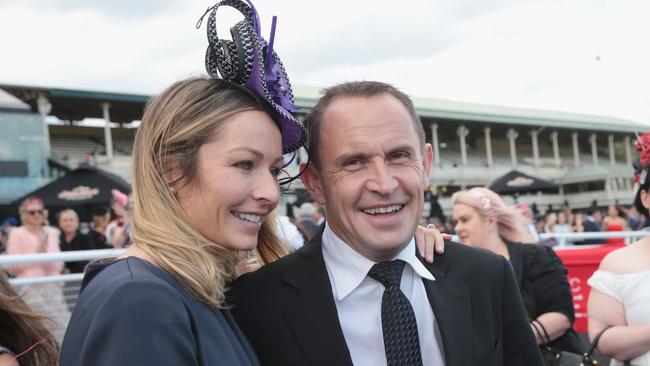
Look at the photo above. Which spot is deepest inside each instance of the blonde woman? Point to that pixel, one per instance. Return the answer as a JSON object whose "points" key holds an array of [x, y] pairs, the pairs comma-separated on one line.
{"points": [[206, 160], [484, 220], [32, 237]]}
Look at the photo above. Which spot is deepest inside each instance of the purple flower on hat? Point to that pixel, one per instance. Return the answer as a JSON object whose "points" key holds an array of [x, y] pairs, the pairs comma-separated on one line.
{"points": [[276, 76], [250, 62]]}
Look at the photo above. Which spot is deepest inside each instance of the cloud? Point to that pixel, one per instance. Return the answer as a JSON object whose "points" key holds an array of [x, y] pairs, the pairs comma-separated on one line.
{"points": [[116, 10], [361, 32], [585, 56]]}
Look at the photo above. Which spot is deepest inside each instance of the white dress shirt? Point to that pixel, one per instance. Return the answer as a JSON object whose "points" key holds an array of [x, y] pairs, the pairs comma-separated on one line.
{"points": [[289, 233], [358, 302]]}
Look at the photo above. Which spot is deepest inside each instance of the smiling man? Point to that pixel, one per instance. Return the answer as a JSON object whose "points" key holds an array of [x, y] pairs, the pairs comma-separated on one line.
{"points": [[357, 293]]}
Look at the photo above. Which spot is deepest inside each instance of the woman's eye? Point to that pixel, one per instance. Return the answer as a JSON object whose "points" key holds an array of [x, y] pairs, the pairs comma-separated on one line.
{"points": [[246, 165]]}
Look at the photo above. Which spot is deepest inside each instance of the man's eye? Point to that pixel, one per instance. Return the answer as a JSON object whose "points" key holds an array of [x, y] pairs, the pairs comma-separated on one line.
{"points": [[276, 172], [352, 162], [400, 156]]}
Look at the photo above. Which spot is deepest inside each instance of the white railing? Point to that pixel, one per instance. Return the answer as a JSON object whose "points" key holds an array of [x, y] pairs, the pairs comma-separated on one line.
{"points": [[7, 261], [565, 239], [72, 282], [53, 296]]}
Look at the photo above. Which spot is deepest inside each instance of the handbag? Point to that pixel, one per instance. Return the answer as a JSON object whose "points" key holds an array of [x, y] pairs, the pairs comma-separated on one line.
{"points": [[588, 357], [555, 357]]}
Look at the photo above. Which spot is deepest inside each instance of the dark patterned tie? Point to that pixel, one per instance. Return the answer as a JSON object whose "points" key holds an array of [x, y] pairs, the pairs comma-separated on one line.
{"points": [[398, 324]]}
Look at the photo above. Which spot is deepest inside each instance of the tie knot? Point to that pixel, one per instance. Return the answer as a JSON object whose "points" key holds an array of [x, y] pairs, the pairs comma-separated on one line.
{"points": [[388, 273]]}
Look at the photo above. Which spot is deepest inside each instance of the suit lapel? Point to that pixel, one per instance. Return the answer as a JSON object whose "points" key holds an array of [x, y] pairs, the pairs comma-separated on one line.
{"points": [[312, 312], [450, 301]]}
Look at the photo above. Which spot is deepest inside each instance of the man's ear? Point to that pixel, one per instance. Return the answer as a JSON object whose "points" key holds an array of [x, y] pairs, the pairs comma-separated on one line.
{"points": [[427, 158], [312, 181]]}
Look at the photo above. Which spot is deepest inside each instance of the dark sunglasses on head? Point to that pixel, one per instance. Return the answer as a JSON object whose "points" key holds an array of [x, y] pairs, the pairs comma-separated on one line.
{"points": [[34, 212]]}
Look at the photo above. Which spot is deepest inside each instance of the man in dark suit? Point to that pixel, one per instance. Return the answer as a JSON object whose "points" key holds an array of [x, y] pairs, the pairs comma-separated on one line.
{"points": [[358, 293], [592, 224]]}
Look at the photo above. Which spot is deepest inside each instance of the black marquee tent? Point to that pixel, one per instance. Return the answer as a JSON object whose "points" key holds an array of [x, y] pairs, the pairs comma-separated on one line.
{"points": [[516, 182], [80, 189]]}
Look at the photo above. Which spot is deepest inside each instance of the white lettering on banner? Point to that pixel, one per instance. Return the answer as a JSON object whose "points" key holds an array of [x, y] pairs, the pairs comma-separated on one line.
{"points": [[78, 193], [579, 297]]}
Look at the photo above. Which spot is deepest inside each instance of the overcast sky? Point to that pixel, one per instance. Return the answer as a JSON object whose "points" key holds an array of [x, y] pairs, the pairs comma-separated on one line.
{"points": [[587, 56]]}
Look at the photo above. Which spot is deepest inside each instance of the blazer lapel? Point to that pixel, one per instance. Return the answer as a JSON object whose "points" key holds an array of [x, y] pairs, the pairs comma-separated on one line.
{"points": [[517, 261], [312, 312], [450, 301]]}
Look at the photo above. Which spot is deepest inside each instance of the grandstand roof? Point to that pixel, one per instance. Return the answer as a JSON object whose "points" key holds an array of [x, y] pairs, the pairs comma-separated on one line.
{"points": [[439, 108], [75, 105], [9, 102]]}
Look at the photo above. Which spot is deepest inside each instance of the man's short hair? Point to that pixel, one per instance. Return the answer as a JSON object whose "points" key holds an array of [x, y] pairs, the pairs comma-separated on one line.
{"points": [[307, 209], [354, 89]]}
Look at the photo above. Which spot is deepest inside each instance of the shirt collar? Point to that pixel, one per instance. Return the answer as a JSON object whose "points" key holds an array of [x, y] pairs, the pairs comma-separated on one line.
{"points": [[348, 268]]}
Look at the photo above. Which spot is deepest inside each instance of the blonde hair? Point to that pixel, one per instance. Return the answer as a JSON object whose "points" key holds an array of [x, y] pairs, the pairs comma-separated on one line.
{"points": [[510, 222], [174, 126], [22, 209]]}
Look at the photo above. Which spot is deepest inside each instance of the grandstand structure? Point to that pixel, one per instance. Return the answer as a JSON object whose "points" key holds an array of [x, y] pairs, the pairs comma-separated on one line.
{"points": [[589, 156]]}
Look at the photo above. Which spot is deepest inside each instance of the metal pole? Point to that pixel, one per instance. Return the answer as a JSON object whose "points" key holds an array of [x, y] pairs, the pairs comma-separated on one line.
{"points": [[594, 148], [628, 151], [576, 150], [107, 131], [533, 136], [488, 146], [512, 135], [612, 156], [436, 145], [556, 150], [44, 108], [462, 132]]}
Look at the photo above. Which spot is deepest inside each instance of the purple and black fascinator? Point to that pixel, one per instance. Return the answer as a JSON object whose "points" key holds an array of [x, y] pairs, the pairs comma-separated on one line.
{"points": [[249, 61]]}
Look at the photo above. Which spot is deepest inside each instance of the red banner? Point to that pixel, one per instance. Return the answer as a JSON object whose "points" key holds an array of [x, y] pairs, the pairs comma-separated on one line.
{"points": [[582, 262]]}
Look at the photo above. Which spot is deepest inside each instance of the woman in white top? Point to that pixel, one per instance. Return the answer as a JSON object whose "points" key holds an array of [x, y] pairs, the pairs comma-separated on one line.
{"points": [[620, 296]]}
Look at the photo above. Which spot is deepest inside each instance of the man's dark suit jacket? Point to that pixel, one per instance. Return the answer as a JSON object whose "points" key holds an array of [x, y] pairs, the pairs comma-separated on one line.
{"points": [[287, 310], [590, 226]]}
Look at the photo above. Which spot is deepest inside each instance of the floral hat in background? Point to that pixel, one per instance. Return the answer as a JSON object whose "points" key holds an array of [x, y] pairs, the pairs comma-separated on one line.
{"points": [[641, 166]]}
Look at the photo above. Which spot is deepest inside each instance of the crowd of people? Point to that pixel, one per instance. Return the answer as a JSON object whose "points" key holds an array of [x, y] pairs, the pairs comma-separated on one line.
{"points": [[211, 276], [36, 234], [616, 218], [612, 218]]}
